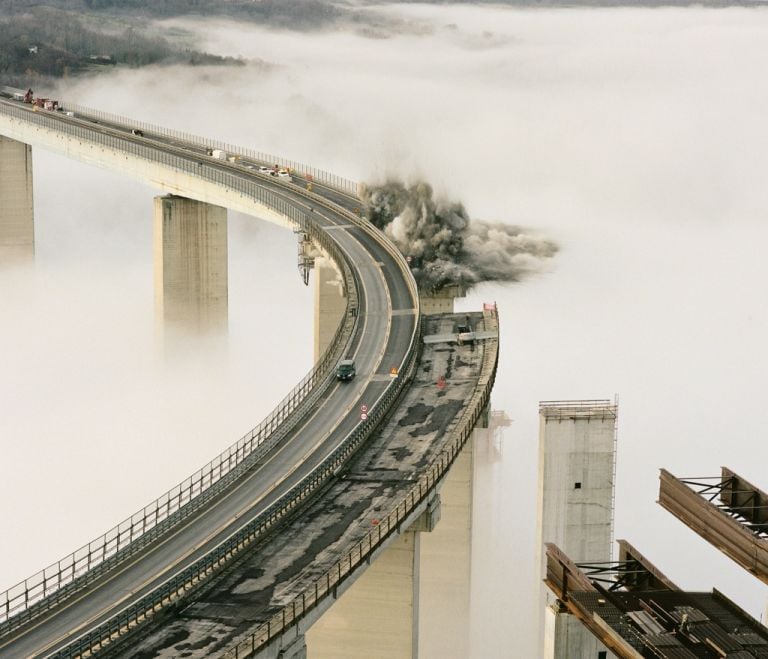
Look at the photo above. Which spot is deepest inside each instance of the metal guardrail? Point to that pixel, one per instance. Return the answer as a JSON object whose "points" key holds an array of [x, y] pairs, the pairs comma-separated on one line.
{"points": [[183, 581], [59, 580], [302, 604], [326, 178]]}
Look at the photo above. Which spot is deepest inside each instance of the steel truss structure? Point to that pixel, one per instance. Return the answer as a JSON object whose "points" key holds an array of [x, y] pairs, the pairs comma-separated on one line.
{"points": [[727, 511], [635, 611]]}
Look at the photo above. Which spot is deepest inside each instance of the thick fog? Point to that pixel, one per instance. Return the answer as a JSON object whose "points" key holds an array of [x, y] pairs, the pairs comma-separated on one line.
{"points": [[634, 139]]}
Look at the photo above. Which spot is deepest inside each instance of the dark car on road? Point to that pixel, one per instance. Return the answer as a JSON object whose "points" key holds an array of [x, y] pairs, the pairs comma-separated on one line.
{"points": [[345, 370]]}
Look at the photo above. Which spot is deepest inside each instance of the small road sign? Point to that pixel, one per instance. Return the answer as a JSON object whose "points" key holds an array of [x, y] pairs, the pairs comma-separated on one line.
{"points": [[363, 416], [363, 408], [393, 372]]}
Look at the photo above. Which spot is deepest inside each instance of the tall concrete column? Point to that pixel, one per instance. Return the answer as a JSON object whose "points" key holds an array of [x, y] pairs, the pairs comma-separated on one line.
{"points": [[377, 618], [190, 244], [330, 303], [446, 562], [17, 229], [577, 441]]}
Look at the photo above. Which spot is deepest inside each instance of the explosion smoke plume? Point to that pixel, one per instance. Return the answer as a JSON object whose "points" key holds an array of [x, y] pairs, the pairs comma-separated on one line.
{"points": [[444, 246]]}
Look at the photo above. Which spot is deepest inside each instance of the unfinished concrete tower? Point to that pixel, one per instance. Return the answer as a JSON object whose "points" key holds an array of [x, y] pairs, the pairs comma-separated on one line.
{"points": [[17, 229], [577, 459]]}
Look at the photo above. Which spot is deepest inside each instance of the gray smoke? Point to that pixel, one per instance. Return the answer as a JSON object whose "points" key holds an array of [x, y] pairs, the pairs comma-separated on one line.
{"points": [[444, 246]]}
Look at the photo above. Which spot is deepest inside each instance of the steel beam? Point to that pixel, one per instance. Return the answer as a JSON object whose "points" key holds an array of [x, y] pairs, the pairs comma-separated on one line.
{"points": [[745, 500], [564, 577], [649, 577], [739, 541]]}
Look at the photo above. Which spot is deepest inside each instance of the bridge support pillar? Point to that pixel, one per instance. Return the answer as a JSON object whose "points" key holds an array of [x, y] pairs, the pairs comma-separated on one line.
{"points": [[377, 618], [17, 229], [330, 303], [190, 245], [446, 560]]}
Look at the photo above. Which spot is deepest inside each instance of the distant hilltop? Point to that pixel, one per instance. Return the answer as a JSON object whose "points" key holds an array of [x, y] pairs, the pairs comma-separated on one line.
{"points": [[52, 42], [60, 38]]}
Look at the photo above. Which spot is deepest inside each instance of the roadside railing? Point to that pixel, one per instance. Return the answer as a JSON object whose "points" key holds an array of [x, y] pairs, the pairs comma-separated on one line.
{"points": [[361, 553], [182, 582], [320, 175], [51, 585], [222, 173]]}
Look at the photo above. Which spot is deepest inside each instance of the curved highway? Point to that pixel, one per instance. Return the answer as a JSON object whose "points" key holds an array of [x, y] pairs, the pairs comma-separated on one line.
{"points": [[387, 323]]}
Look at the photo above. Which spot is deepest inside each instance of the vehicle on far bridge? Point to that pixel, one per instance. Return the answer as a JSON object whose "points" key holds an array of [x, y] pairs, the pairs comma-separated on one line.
{"points": [[345, 370]]}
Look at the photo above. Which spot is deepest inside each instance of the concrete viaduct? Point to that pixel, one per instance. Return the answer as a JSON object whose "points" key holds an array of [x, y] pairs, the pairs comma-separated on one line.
{"points": [[247, 556]]}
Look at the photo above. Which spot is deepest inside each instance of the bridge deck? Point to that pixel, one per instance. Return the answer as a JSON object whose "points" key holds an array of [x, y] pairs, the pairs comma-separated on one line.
{"points": [[278, 570]]}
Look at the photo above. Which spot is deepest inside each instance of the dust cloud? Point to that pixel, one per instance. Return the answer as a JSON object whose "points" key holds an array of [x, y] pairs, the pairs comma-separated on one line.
{"points": [[444, 246]]}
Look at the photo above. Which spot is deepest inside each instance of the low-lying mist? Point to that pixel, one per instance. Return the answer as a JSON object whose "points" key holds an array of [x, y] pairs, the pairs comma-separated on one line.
{"points": [[633, 139]]}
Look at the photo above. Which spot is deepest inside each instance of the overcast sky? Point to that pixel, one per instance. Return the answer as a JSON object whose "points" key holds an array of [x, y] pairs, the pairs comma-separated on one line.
{"points": [[634, 138]]}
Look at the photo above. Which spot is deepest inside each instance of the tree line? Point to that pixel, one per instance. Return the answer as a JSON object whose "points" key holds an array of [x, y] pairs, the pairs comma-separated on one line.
{"points": [[50, 41]]}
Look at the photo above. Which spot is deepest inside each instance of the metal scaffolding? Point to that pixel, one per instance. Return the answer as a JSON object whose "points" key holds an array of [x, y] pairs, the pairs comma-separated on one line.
{"points": [[306, 256]]}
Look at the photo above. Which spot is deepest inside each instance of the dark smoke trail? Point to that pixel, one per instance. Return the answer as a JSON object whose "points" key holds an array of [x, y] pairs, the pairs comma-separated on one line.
{"points": [[444, 246]]}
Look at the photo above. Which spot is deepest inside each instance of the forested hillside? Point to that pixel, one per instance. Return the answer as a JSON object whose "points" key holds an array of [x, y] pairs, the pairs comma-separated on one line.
{"points": [[58, 42], [56, 38]]}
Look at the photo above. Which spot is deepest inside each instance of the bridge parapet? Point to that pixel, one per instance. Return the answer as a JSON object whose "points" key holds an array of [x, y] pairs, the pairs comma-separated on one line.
{"points": [[321, 552], [327, 178], [379, 482], [157, 163], [184, 582], [58, 581]]}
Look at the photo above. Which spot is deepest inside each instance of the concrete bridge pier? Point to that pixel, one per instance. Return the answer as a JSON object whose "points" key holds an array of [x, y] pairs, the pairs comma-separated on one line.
{"points": [[190, 253], [330, 302], [17, 229], [446, 563], [414, 600], [377, 618]]}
